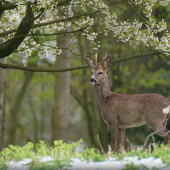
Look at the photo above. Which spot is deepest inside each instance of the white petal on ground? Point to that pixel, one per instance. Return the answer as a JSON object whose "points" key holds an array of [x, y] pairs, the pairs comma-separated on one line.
{"points": [[46, 158], [111, 163], [20, 165]]}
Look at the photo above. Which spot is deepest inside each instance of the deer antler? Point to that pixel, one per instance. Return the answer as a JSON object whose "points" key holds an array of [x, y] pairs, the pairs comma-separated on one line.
{"points": [[96, 59], [103, 59]]}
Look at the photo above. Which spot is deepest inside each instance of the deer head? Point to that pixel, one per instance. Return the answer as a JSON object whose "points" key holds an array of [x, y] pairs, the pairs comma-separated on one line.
{"points": [[98, 70]]}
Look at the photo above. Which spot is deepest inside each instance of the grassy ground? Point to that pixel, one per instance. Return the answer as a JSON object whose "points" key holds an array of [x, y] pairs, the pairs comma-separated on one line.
{"points": [[63, 153]]}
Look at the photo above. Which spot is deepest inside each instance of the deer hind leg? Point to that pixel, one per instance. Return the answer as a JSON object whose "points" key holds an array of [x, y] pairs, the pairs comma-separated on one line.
{"points": [[162, 131], [166, 139], [167, 136], [121, 140], [159, 125]]}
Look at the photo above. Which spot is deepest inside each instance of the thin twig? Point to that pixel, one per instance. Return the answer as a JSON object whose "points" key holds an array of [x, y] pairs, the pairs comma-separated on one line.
{"points": [[98, 140], [130, 144], [151, 134], [14, 61], [110, 151], [52, 152], [39, 14], [136, 12]]}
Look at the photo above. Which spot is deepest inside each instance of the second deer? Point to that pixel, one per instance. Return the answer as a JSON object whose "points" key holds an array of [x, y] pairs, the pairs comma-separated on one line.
{"points": [[121, 111]]}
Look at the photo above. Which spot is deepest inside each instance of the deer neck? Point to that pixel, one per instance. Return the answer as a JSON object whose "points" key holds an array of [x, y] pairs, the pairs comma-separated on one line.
{"points": [[102, 90]]}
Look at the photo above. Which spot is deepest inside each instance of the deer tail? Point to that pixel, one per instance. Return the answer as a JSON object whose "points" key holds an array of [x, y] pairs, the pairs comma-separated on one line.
{"points": [[166, 110]]}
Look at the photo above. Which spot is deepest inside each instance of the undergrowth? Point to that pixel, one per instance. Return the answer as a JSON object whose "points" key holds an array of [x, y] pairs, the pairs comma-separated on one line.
{"points": [[62, 154], [131, 166]]}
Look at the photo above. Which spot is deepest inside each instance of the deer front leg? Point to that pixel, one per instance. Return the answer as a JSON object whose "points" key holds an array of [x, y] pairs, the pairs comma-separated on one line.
{"points": [[113, 130], [121, 140]]}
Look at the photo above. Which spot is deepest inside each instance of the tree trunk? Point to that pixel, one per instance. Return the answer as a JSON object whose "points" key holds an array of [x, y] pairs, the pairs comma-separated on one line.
{"points": [[35, 119], [60, 115], [95, 123], [15, 107], [2, 104]]}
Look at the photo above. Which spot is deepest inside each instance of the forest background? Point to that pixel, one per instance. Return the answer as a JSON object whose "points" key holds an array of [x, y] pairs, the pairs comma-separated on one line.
{"points": [[45, 92]]}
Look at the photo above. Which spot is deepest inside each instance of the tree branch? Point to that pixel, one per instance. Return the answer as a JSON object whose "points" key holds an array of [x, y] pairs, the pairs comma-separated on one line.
{"points": [[134, 10], [46, 34], [135, 56], [20, 67], [42, 11], [63, 2], [52, 22], [4, 7], [23, 29], [58, 33]]}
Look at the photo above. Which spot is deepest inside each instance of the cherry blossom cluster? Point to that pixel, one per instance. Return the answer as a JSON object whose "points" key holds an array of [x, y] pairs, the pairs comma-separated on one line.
{"points": [[134, 32], [164, 2]]}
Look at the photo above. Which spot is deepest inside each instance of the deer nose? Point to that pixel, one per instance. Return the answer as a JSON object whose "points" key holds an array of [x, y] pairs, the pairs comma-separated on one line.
{"points": [[92, 80]]}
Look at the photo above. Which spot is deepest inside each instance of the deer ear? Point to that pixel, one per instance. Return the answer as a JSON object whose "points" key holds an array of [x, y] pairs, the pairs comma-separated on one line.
{"points": [[106, 62], [89, 61]]}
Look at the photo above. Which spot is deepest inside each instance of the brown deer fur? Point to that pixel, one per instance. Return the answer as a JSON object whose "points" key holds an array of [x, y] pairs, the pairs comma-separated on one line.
{"points": [[122, 111]]}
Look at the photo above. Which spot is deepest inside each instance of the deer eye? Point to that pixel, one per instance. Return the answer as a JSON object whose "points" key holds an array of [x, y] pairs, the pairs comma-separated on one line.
{"points": [[91, 72], [100, 73]]}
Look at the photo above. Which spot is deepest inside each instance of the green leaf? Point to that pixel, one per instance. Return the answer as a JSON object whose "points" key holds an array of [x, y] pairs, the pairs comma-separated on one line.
{"points": [[58, 142]]}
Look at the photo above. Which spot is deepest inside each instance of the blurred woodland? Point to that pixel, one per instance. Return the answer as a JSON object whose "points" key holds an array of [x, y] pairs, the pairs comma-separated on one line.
{"points": [[51, 106]]}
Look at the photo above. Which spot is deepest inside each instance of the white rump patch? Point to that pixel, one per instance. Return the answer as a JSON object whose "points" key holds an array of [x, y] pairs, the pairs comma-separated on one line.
{"points": [[166, 110]]}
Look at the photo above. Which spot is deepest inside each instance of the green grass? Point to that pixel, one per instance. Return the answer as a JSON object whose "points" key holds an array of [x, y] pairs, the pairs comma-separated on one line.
{"points": [[62, 154], [131, 166]]}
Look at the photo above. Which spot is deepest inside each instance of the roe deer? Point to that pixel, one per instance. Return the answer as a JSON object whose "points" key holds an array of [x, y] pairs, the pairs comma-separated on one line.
{"points": [[122, 111]]}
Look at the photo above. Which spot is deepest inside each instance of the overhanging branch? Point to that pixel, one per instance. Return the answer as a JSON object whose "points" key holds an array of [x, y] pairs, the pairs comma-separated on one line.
{"points": [[52, 22], [20, 67], [46, 34], [4, 7], [135, 56], [23, 29]]}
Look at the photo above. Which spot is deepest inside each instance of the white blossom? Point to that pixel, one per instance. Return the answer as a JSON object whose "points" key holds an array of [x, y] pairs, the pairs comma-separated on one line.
{"points": [[164, 2], [132, 32]]}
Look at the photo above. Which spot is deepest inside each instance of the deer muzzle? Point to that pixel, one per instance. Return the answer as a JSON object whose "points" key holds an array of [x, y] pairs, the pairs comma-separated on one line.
{"points": [[93, 81]]}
